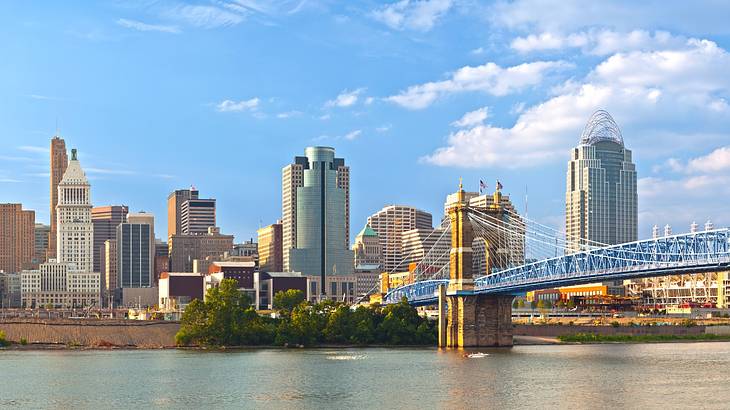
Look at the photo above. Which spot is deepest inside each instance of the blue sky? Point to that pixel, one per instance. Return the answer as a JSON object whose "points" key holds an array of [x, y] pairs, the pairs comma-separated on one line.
{"points": [[221, 94]]}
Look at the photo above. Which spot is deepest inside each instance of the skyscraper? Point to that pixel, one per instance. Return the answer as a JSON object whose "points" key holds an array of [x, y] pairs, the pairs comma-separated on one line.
{"points": [[601, 195], [105, 220], [319, 208], [196, 216], [17, 238], [174, 209], [42, 233], [135, 262], [59, 163], [390, 223], [270, 254], [75, 229]]}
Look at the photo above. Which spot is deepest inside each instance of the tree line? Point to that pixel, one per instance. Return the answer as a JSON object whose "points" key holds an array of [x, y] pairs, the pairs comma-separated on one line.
{"points": [[226, 318]]}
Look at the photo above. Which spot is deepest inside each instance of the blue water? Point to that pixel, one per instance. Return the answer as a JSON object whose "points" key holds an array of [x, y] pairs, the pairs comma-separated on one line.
{"points": [[677, 375]]}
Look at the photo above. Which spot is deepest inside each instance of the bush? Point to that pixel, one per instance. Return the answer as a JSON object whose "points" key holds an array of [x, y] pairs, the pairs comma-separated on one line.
{"points": [[23, 341], [615, 324], [3, 342]]}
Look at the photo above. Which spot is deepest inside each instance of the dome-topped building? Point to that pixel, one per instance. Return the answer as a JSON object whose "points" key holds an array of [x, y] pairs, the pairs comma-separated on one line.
{"points": [[601, 127], [601, 194]]}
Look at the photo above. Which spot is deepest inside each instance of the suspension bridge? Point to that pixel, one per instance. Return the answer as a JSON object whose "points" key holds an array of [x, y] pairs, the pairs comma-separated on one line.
{"points": [[485, 255]]}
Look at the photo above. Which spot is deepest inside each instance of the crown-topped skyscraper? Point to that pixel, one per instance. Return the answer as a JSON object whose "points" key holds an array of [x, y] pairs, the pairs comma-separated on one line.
{"points": [[73, 213]]}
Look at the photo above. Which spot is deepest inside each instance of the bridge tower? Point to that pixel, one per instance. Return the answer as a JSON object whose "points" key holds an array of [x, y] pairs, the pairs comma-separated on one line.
{"points": [[468, 319]]}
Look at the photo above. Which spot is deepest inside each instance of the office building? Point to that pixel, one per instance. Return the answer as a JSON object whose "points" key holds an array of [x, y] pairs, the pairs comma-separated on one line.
{"points": [[108, 275], [162, 259], [174, 209], [105, 220], [17, 238], [73, 213], [196, 216], [390, 223], [42, 233], [146, 218], [321, 211], [248, 249], [184, 249], [366, 279], [59, 284], [367, 248], [271, 258], [601, 195], [59, 163], [431, 244], [178, 289], [10, 295], [135, 262]]}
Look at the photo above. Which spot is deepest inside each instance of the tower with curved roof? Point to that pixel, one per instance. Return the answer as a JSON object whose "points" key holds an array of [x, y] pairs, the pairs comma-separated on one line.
{"points": [[601, 194]]}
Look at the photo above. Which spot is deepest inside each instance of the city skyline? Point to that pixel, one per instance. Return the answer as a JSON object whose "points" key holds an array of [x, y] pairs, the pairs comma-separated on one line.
{"points": [[500, 86]]}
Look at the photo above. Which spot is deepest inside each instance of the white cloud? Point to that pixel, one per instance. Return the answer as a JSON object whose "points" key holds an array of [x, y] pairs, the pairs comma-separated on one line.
{"points": [[352, 135], [325, 117], [477, 51], [716, 161], [489, 78], [369, 100], [418, 15], [345, 98], [599, 42], [472, 118], [650, 91], [238, 106], [384, 128], [204, 16], [139, 26], [288, 114]]}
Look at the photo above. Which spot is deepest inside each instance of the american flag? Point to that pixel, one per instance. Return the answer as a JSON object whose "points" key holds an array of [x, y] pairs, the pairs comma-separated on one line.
{"points": [[482, 186], [499, 185]]}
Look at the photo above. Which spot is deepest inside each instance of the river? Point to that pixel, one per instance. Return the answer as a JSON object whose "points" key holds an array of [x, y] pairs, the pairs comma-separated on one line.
{"points": [[672, 375]]}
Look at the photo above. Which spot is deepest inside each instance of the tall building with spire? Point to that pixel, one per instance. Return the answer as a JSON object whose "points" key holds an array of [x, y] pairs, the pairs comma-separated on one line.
{"points": [[315, 199], [59, 162], [75, 243], [601, 196]]}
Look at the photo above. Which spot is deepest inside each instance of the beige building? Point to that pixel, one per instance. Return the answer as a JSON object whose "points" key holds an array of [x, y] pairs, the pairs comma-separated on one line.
{"points": [[390, 223], [109, 274], [271, 258], [59, 285], [75, 242], [17, 238], [184, 249], [367, 248], [59, 163], [419, 243]]}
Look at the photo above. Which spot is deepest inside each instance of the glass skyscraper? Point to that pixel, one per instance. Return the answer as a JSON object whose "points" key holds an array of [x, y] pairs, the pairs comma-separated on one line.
{"points": [[601, 195], [318, 214]]}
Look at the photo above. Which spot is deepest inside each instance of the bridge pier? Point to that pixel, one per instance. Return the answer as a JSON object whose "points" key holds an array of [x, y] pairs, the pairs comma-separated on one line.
{"points": [[466, 318]]}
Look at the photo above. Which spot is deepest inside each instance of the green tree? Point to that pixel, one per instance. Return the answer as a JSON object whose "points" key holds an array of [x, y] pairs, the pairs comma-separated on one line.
{"points": [[520, 303], [221, 320], [340, 326], [515, 304], [541, 304], [286, 301], [570, 304]]}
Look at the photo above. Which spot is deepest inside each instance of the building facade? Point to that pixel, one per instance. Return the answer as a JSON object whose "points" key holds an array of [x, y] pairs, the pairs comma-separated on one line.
{"points": [[42, 233], [601, 197], [59, 285], [17, 238], [105, 220], [322, 216], [174, 209], [184, 249], [59, 163], [75, 242], [367, 248], [108, 275], [390, 223], [271, 258], [135, 263], [197, 215]]}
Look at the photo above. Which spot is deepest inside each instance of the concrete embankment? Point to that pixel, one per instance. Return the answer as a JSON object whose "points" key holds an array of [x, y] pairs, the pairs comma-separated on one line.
{"points": [[553, 331], [92, 333]]}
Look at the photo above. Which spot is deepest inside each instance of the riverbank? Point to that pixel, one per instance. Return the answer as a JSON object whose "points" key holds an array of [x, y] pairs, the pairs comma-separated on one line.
{"points": [[592, 338]]}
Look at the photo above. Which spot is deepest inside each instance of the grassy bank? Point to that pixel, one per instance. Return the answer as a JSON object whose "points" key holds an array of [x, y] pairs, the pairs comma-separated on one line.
{"points": [[596, 338]]}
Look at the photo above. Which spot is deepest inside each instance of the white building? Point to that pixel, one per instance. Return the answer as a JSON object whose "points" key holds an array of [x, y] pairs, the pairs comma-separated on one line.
{"points": [[69, 280], [59, 285]]}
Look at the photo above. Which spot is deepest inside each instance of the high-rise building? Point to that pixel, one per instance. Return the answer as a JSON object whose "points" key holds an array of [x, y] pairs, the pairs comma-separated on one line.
{"points": [[59, 285], [389, 223], [270, 254], [185, 249], [75, 230], [105, 220], [367, 248], [143, 217], [42, 233], [59, 163], [162, 259], [196, 216], [174, 209], [420, 242], [601, 195], [320, 209], [135, 262], [109, 265], [17, 238]]}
